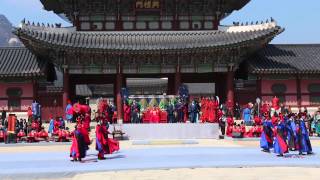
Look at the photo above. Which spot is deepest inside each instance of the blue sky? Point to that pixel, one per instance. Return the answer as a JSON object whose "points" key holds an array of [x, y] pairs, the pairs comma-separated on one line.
{"points": [[299, 18]]}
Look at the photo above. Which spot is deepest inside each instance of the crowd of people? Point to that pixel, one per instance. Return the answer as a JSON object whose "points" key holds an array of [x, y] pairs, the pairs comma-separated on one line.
{"points": [[286, 133], [277, 126], [32, 129], [173, 110], [80, 137]]}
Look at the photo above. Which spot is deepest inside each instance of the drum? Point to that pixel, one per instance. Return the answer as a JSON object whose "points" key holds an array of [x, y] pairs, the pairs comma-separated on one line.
{"points": [[11, 138], [12, 119]]}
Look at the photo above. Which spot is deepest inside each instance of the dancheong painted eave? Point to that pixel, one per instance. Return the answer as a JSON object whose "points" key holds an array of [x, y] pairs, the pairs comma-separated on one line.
{"points": [[70, 8], [132, 42]]}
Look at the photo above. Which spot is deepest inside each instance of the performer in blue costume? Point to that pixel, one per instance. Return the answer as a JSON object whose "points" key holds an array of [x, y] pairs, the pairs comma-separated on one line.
{"points": [[68, 111], [179, 110], [35, 110], [246, 115], [170, 112], [51, 125], [291, 133], [193, 111], [303, 137], [266, 139], [279, 144]]}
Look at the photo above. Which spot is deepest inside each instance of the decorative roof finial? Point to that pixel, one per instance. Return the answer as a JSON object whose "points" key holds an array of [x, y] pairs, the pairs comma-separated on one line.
{"points": [[272, 20], [23, 21], [38, 24], [33, 23]]}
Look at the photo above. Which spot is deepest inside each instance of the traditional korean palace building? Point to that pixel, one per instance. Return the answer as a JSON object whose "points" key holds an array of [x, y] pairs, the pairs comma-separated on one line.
{"points": [[118, 43]]}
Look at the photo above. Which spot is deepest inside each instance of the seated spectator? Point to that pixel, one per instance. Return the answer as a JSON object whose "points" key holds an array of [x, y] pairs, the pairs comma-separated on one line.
{"points": [[35, 125], [63, 136], [33, 136], [56, 126], [250, 133], [236, 131], [3, 134], [242, 129], [62, 123], [20, 135], [229, 130], [257, 120], [43, 134], [258, 131]]}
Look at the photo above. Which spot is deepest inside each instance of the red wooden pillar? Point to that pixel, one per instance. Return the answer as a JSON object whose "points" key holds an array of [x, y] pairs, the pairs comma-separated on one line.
{"points": [[298, 82], [230, 89], [118, 85], [66, 86], [177, 80]]}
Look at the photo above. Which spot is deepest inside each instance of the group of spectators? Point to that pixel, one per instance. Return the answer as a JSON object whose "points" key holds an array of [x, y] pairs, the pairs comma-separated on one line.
{"points": [[253, 115]]}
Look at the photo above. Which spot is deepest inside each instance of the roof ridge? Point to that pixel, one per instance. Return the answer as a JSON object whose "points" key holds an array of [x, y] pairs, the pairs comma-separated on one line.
{"points": [[15, 47]]}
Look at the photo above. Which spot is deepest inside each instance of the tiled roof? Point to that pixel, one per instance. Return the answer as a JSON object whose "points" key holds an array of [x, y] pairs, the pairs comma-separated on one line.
{"points": [[303, 58], [20, 62], [147, 40]]}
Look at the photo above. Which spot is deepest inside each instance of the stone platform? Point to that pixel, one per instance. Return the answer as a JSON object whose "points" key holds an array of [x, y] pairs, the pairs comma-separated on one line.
{"points": [[168, 131]]}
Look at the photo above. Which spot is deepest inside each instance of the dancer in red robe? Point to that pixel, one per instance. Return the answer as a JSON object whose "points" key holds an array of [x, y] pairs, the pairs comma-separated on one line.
{"points": [[204, 114], [20, 135], [127, 113], [230, 123], [104, 144], [212, 111], [155, 115], [79, 144]]}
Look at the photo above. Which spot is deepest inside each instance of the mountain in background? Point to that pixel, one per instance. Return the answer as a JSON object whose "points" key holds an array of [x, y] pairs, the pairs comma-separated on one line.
{"points": [[7, 38]]}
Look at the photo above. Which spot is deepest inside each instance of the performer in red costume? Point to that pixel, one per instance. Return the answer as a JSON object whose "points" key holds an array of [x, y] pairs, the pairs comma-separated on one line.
{"points": [[29, 114], [20, 135], [56, 126], [127, 113], [86, 121], [275, 103], [275, 106], [212, 111], [81, 109], [257, 120], [43, 134], [79, 144], [104, 144], [155, 115], [203, 107], [33, 136], [230, 126], [35, 125], [185, 112]]}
